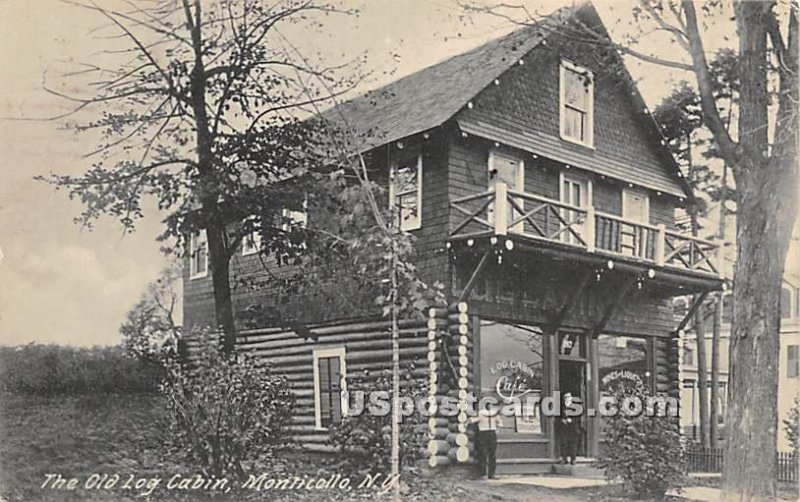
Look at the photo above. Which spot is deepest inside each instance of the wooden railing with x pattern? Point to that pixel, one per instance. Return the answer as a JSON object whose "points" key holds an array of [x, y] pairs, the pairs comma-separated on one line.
{"points": [[501, 211]]}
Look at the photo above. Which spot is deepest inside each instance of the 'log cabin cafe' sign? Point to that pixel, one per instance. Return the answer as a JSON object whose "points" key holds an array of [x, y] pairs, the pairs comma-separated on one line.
{"points": [[515, 379]]}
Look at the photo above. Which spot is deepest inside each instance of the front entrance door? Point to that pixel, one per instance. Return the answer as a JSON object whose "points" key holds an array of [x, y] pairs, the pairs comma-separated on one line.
{"points": [[572, 379]]}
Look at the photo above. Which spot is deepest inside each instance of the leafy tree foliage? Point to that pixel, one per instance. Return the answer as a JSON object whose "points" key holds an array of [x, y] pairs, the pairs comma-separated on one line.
{"points": [[150, 331], [364, 440]]}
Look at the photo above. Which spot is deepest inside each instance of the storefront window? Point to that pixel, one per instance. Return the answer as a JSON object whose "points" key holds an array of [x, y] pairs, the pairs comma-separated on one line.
{"points": [[621, 358], [511, 367]]}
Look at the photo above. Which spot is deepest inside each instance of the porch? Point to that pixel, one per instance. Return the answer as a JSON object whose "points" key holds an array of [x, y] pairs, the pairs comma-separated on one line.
{"points": [[546, 224]]}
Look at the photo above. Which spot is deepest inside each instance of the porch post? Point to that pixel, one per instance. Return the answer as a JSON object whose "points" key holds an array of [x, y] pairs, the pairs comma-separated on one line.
{"points": [[593, 375], [551, 349], [590, 229], [661, 236], [500, 208]]}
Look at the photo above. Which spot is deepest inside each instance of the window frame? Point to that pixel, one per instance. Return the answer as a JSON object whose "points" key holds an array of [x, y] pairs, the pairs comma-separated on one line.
{"points": [[625, 208], [789, 312], [588, 141], [298, 217], [796, 310], [688, 353], [325, 353], [795, 373], [251, 243], [194, 237], [409, 224]]}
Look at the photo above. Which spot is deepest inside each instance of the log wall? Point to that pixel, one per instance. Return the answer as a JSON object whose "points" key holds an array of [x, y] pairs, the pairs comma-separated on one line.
{"points": [[368, 351]]}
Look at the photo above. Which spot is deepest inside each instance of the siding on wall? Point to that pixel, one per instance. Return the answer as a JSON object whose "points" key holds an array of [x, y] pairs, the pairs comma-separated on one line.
{"points": [[469, 175], [257, 300], [523, 111]]}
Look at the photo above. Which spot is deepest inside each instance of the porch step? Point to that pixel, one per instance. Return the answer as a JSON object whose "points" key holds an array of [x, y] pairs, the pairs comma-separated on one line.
{"points": [[521, 448], [583, 468], [512, 466]]}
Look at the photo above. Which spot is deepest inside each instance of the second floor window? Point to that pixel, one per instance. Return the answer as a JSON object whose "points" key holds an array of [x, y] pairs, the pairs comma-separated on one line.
{"points": [[198, 255], [786, 303], [405, 192], [792, 361], [251, 242], [688, 356], [294, 218], [576, 104]]}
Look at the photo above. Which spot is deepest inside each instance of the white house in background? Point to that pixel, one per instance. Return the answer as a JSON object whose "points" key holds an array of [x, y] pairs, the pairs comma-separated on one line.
{"points": [[789, 366]]}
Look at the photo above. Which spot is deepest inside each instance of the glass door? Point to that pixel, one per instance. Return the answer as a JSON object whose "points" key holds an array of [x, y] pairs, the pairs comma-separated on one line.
{"points": [[511, 171], [575, 192], [635, 208]]}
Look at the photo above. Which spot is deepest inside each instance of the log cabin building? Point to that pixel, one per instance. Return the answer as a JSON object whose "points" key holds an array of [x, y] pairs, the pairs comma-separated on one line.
{"points": [[541, 193]]}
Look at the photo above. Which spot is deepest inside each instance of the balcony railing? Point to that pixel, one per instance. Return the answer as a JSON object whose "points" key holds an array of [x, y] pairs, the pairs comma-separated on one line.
{"points": [[501, 211]]}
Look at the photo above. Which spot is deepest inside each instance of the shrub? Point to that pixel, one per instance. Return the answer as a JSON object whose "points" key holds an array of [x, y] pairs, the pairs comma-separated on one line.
{"points": [[791, 424], [645, 451], [225, 413], [57, 370], [364, 440]]}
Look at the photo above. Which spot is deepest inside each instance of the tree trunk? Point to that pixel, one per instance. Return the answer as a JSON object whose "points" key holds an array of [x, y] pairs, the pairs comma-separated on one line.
{"points": [[702, 375], [752, 419], [766, 210], [218, 253], [395, 451], [699, 316], [713, 411], [219, 258], [718, 306]]}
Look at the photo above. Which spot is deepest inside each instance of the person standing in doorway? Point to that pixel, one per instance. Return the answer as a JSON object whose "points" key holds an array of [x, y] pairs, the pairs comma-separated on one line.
{"points": [[487, 421], [569, 430]]}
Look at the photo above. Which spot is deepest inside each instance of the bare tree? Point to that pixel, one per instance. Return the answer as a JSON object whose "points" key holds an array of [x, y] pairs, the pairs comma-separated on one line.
{"points": [[201, 110]]}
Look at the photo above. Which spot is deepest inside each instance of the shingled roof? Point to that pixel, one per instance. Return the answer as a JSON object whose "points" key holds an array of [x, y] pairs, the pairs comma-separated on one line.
{"points": [[431, 96]]}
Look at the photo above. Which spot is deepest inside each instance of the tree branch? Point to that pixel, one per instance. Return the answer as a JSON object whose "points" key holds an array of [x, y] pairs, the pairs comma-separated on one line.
{"points": [[729, 149]]}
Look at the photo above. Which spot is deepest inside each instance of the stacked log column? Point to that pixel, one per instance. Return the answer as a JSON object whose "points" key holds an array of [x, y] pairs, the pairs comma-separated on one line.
{"points": [[438, 446], [460, 359], [450, 377]]}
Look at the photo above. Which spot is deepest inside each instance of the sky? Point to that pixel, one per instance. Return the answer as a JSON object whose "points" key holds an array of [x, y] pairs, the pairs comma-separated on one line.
{"points": [[63, 284]]}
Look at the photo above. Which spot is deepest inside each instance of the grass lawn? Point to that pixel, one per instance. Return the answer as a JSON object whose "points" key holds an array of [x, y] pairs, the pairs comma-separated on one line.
{"points": [[77, 437]]}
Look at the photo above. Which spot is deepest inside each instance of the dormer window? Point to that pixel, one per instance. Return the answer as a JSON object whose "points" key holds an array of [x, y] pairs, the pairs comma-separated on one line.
{"points": [[405, 192], [576, 105]]}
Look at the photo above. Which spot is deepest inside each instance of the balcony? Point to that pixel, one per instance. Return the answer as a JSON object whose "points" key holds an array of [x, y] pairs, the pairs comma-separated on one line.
{"points": [[539, 220]]}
